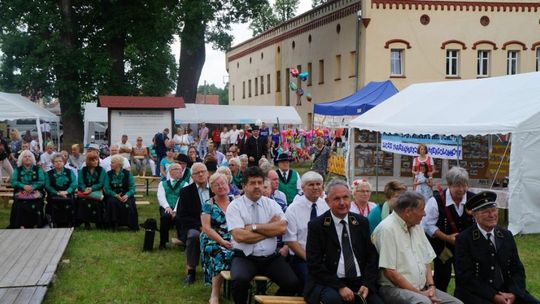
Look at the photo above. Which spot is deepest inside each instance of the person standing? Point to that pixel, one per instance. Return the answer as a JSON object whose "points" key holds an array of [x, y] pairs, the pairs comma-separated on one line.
{"points": [[445, 218], [233, 136], [320, 154], [224, 137], [5, 152], [256, 147], [405, 256], [341, 259], [488, 268], [161, 142], [255, 222], [203, 139]]}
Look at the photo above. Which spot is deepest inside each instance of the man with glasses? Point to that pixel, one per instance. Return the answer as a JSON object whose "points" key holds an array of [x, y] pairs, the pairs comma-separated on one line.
{"points": [[188, 216], [167, 194], [225, 162]]}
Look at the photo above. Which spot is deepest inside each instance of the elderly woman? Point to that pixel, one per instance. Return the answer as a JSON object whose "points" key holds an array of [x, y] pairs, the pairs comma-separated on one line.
{"points": [[244, 160], [181, 141], [120, 208], [234, 166], [60, 183], [90, 195], [392, 191], [216, 247], [361, 190], [139, 154], [28, 181], [233, 189]]}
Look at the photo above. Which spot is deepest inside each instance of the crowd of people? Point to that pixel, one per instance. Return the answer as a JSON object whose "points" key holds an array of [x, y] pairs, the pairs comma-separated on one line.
{"points": [[235, 206]]}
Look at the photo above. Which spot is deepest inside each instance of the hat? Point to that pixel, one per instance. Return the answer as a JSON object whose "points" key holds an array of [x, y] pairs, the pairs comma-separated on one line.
{"points": [[92, 146], [255, 128], [482, 200], [182, 158], [283, 157]]}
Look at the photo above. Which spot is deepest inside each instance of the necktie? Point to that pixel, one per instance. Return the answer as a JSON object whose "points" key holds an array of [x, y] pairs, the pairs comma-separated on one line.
{"points": [[350, 269], [313, 211], [255, 214], [490, 241], [173, 182], [285, 175]]}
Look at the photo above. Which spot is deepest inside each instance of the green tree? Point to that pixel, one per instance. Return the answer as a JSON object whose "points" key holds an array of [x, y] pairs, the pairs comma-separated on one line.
{"points": [[263, 20], [211, 89], [204, 21], [285, 9]]}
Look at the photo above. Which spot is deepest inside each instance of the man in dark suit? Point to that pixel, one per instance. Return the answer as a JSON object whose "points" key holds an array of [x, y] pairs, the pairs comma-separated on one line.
{"points": [[188, 216], [343, 266], [256, 147], [488, 268]]}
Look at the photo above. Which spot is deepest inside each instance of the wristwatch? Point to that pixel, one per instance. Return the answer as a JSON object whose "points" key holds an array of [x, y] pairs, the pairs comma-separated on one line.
{"points": [[253, 227]]}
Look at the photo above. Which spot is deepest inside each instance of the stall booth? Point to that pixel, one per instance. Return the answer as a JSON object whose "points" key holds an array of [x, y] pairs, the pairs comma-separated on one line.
{"points": [[15, 106], [508, 108], [338, 114]]}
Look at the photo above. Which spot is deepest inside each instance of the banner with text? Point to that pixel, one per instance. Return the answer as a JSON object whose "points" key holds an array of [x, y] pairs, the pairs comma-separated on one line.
{"points": [[434, 150]]}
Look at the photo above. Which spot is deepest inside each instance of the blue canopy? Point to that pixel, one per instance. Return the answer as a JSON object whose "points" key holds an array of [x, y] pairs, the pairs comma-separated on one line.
{"points": [[358, 103]]}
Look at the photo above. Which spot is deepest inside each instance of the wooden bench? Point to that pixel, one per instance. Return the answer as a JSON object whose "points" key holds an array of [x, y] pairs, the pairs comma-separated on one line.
{"points": [[278, 300], [149, 179], [226, 274]]}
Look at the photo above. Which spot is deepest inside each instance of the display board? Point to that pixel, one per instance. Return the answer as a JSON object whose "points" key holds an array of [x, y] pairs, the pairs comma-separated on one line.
{"points": [[366, 155], [475, 157], [497, 155], [134, 123]]}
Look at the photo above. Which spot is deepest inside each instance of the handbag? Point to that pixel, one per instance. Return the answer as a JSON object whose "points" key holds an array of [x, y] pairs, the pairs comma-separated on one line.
{"points": [[94, 195], [25, 195]]}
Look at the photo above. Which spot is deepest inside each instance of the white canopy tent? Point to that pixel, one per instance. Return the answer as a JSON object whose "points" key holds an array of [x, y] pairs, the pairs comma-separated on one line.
{"points": [[498, 105], [227, 114], [16, 106]]}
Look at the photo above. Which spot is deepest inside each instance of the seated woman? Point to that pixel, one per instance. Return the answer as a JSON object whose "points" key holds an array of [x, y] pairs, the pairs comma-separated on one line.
{"points": [[361, 191], [91, 181], [216, 247], [193, 156], [166, 163], [139, 154], [234, 165], [60, 183], [28, 181], [120, 208], [392, 191], [233, 190]]}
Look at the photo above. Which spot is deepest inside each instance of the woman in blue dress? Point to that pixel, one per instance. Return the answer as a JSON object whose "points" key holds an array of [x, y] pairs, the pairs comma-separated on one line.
{"points": [[216, 247]]}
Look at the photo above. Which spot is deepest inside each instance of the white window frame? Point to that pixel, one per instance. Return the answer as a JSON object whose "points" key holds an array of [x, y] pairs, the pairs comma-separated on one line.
{"points": [[483, 63], [452, 63], [512, 62], [396, 62]]}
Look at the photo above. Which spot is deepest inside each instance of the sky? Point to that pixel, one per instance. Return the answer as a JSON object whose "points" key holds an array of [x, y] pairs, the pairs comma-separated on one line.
{"points": [[214, 71]]}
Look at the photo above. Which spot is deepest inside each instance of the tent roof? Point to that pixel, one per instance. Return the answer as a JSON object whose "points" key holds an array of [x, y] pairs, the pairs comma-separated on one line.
{"points": [[467, 107], [226, 114], [15, 106], [360, 102]]}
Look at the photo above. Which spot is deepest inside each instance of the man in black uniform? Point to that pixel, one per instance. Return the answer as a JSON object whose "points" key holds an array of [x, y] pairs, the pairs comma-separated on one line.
{"points": [[488, 268], [256, 147]]}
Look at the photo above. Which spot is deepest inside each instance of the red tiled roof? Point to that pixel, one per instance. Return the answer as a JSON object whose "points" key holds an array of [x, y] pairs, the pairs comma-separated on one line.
{"points": [[210, 99], [140, 102]]}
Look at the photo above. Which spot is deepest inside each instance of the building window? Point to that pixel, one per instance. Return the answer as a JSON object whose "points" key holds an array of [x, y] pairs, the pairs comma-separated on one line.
{"points": [[256, 86], [243, 90], [310, 77], [278, 81], [452, 63], [268, 84], [352, 66], [249, 88], [512, 61], [338, 67], [538, 59], [233, 93], [396, 62], [321, 71], [262, 85], [482, 66]]}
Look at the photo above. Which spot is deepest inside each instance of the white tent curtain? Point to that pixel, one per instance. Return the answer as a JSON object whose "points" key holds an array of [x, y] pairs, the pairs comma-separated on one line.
{"points": [[498, 105]]}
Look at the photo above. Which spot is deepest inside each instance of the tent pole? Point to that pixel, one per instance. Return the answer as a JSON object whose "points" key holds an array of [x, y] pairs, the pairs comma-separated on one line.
{"points": [[500, 162], [40, 135], [377, 164]]}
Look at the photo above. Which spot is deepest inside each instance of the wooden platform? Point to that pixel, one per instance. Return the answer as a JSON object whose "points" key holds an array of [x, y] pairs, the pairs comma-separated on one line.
{"points": [[29, 260]]}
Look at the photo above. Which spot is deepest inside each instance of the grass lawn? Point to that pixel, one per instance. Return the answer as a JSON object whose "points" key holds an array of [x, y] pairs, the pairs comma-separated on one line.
{"points": [[107, 267]]}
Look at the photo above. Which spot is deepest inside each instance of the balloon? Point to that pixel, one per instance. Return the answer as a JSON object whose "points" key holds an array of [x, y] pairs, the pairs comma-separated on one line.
{"points": [[300, 92], [303, 76], [294, 72], [292, 86], [308, 96]]}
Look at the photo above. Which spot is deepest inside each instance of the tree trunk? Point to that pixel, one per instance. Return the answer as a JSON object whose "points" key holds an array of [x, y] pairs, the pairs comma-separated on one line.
{"points": [[192, 55], [116, 44], [68, 78]]}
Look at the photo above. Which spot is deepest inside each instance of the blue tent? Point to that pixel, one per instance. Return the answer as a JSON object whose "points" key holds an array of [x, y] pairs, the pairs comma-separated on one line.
{"points": [[360, 102]]}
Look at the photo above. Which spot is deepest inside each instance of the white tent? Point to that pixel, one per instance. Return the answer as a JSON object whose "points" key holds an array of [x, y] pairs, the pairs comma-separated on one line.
{"points": [[227, 114], [15, 106], [498, 105]]}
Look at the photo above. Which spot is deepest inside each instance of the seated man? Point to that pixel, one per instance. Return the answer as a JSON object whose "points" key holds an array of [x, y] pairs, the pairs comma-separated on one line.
{"points": [[488, 268], [254, 222], [341, 259], [405, 255], [168, 193], [303, 209]]}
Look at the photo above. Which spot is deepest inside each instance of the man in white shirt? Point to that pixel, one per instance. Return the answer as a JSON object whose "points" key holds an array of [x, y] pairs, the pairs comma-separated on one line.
{"points": [[46, 158], [341, 259], [275, 193], [255, 222], [167, 194], [302, 210], [125, 147], [106, 162], [289, 179], [233, 135], [405, 255]]}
